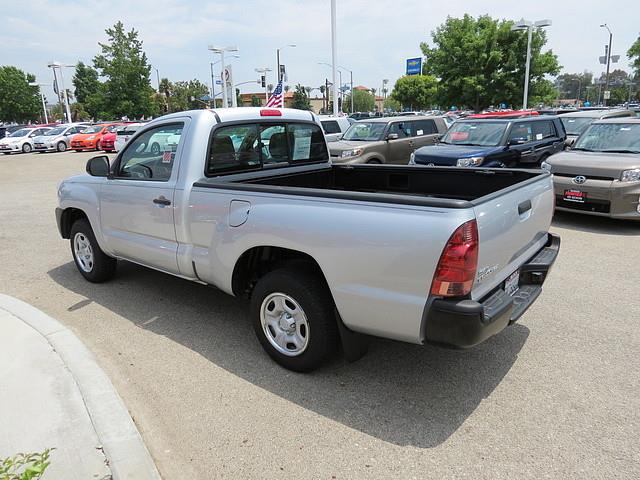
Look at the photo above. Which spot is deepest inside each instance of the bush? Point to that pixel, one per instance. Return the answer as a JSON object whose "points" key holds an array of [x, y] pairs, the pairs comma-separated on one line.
{"points": [[25, 466]]}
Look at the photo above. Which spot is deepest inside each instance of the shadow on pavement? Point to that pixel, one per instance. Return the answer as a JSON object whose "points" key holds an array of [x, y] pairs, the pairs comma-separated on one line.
{"points": [[400, 393], [594, 224]]}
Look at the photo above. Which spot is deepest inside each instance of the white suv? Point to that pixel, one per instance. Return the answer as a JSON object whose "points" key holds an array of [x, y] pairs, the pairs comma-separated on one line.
{"points": [[334, 127]]}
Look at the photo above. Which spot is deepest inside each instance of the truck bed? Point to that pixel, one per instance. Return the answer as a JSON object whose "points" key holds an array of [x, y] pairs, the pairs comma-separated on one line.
{"points": [[434, 186]]}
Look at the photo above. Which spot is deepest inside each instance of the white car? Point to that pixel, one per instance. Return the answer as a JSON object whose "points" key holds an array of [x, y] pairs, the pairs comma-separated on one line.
{"points": [[57, 139], [334, 127], [125, 134], [21, 140]]}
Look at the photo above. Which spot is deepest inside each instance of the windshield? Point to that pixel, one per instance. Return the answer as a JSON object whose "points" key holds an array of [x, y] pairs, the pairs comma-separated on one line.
{"points": [[55, 131], [94, 129], [576, 125], [485, 134], [610, 137], [23, 132], [365, 131]]}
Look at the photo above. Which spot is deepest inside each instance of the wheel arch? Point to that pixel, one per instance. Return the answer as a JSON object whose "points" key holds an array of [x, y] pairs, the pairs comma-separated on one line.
{"points": [[257, 261], [68, 217]]}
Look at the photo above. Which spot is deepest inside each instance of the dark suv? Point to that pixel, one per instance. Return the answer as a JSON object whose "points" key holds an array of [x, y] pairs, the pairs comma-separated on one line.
{"points": [[496, 142]]}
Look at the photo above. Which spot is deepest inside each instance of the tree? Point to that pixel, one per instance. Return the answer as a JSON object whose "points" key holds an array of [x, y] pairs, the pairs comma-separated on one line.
{"points": [[182, 95], [634, 57], [417, 92], [88, 90], [255, 101], [301, 98], [363, 101], [287, 88], [568, 84], [19, 102], [127, 89], [618, 85], [481, 62], [391, 104]]}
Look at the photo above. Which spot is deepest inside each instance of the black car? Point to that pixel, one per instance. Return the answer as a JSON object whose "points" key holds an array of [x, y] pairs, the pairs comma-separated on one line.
{"points": [[513, 142]]}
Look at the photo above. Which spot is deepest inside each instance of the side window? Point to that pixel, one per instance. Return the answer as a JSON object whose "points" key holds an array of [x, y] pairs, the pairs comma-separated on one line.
{"points": [[542, 130], [151, 155], [402, 129], [330, 126], [424, 127], [307, 143], [234, 148], [521, 133]]}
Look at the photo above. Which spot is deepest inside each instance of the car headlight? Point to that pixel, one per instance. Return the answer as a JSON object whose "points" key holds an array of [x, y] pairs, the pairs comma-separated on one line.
{"points": [[412, 159], [470, 162], [631, 175], [546, 166], [351, 153]]}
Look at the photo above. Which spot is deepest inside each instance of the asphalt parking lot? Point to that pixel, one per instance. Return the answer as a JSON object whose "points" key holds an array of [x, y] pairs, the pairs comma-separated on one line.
{"points": [[554, 396]]}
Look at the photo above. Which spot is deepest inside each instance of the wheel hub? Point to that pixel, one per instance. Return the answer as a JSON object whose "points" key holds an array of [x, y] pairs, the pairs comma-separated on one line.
{"points": [[284, 324]]}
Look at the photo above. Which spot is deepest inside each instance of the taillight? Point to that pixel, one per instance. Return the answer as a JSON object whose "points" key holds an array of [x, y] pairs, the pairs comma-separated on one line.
{"points": [[270, 112], [458, 263]]}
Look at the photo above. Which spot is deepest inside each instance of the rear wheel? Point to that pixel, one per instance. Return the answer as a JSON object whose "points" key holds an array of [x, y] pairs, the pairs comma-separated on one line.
{"points": [[94, 265], [155, 149], [293, 317], [61, 147], [26, 148], [374, 161], [98, 146]]}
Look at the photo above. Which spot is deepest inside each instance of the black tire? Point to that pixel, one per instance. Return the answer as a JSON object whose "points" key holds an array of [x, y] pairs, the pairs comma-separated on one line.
{"points": [[312, 294], [61, 147], [103, 266], [155, 148], [27, 148], [374, 161]]}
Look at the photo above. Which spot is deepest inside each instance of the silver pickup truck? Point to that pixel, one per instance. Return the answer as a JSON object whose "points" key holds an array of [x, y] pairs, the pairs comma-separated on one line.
{"points": [[247, 200]]}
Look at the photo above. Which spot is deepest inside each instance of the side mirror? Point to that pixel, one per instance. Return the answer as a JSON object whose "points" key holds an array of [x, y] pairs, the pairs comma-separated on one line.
{"points": [[392, 136], [516, 141], [98, 166]]}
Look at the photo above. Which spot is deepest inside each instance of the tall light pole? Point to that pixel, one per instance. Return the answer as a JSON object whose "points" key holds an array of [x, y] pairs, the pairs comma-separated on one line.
{"points": [[340, 76], [44, 106], [221, 51], [606, 82], [279, 75], [334, 56], [58, 66], [351, 87], [264, 71], [529, 26], [213, 80]]}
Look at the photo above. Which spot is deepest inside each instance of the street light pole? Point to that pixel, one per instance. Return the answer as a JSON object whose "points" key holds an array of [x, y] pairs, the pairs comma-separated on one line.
{"points": [[529, 26], [334, 57], [279, 76], [58, 65], [221, 50], [606, 84], [264, 71], [351, 75], [44, 105]]}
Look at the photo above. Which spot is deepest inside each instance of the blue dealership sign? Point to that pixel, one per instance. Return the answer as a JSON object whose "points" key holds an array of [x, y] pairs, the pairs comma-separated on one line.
{"points": [[414, 66]]}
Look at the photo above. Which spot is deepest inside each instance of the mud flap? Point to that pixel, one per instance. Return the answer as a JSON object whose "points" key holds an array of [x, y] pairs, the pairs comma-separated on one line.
{"points": [[354, 345]]}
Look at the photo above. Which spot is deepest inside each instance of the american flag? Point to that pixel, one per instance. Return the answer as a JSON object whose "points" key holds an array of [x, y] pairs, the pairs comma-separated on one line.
{"points": [[276, 99]]}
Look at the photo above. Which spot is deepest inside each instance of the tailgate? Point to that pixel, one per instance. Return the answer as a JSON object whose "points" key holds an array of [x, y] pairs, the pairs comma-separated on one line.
{"points": [[512, 226]]}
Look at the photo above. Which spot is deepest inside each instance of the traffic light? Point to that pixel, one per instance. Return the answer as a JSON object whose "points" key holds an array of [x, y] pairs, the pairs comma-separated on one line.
{"points": [[263, 81]]}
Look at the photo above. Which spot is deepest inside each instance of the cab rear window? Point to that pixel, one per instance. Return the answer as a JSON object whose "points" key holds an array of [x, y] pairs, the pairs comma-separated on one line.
{"points": [[251, 146]]}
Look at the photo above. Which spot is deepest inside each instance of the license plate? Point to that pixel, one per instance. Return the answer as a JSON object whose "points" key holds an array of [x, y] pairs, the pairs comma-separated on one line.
{"points": [[575, 196], [512, 283]]}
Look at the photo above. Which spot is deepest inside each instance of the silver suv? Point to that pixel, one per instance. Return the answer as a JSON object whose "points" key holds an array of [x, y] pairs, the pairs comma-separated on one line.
{"points": [[386, 139]]}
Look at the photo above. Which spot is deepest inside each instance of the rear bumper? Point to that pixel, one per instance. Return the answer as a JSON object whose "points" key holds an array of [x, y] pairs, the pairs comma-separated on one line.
{"points": [[465, 323]]}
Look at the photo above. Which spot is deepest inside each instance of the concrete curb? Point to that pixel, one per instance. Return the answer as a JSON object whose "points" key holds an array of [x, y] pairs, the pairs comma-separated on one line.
{"points": [[123, 446]]}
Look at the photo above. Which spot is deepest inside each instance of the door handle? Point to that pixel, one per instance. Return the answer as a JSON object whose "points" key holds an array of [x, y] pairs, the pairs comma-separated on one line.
{"points": [[526, 152], [524, 207], [161, 200]]}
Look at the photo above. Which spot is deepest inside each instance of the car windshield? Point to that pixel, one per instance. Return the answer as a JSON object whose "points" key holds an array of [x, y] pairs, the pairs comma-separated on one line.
{"points": [[128, 130], [55, 131], [94, 129], [23, 132], [610, 137], [576, 125], [365, 131], [486, 134]]}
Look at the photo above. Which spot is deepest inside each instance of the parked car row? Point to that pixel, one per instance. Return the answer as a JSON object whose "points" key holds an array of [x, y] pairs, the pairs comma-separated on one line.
{"points": [[109, 137]]}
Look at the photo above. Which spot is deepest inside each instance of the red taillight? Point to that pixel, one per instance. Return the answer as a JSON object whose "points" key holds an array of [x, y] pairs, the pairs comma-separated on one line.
{"points": [[270, 112], [458, 263]]}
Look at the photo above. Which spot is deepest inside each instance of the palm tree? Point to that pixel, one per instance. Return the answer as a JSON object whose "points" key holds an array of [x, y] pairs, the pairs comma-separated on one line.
{"points": [[270, 88], [373, 92], [287, 88]]}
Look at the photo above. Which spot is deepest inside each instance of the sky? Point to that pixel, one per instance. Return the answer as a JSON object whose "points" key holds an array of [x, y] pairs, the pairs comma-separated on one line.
{"points": [[374, 38]]}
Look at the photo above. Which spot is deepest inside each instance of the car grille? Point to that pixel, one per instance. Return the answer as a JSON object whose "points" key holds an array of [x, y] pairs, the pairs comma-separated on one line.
{"points": [[599, 206], [588, 177]]}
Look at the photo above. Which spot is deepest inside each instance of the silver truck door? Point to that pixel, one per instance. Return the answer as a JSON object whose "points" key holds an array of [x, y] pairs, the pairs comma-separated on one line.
{"points": [[137, 201]]}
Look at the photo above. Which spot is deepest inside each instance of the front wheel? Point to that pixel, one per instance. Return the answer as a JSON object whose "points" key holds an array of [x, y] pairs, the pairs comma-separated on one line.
{"points": [[94, 265], [293, 317], [26, 148], [61, 147]]}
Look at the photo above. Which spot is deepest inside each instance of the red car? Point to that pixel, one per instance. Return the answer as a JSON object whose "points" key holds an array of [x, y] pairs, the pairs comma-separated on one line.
{"points": [[108, 142], [91, 138]]}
